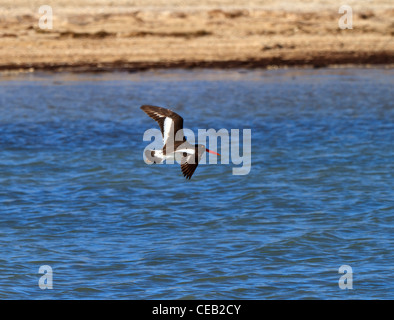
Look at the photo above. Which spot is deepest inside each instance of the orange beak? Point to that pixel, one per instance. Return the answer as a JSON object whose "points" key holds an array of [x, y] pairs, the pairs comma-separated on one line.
{"points": [[213, 152]]}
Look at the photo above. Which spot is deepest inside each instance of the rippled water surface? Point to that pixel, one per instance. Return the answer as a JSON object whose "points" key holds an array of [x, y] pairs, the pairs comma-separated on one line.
{"points": [[75, 193]]}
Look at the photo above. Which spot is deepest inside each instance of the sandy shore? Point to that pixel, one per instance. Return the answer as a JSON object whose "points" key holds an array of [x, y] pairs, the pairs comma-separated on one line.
{"points": [[103, 35]]}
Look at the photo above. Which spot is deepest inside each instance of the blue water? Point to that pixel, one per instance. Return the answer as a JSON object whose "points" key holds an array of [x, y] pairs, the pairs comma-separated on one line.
{"points": [[75, 193]]}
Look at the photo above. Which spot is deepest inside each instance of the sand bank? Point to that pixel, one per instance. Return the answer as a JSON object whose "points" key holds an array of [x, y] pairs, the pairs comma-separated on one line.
{"points": [[137, 35]]}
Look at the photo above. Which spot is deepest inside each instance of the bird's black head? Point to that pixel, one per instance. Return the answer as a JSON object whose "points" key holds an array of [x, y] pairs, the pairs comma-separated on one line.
{"points": [[201, 148]]}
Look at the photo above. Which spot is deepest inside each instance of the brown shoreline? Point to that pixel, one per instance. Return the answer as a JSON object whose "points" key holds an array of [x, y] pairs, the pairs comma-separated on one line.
{"points": [[96, 37], [322, 60]]}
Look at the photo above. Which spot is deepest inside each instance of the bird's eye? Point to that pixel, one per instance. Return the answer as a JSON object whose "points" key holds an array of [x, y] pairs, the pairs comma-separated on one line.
{"points": [[185, 154]]}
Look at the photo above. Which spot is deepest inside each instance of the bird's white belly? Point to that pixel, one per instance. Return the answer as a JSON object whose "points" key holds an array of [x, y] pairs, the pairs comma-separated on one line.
{"points": [[188, 150]]}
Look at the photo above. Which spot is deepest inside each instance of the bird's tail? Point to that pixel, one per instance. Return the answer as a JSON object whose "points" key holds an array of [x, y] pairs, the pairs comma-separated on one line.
{"points": [[153, 156]]}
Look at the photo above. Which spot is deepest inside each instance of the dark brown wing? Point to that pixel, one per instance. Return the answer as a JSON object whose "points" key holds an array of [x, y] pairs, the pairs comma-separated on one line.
{"points": [[188, 169], [160, 114], [188, 166]]}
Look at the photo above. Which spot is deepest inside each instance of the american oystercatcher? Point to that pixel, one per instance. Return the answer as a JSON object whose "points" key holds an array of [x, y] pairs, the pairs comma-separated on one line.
{"points": [[171, 126]]}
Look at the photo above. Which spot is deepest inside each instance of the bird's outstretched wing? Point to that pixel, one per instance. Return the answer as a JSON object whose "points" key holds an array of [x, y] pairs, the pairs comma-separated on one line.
{"points": [[169, 121], [189, 163]]}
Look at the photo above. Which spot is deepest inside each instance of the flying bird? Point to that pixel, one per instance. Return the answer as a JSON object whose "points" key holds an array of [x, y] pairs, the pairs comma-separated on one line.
{"points": [[171, 126]]}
